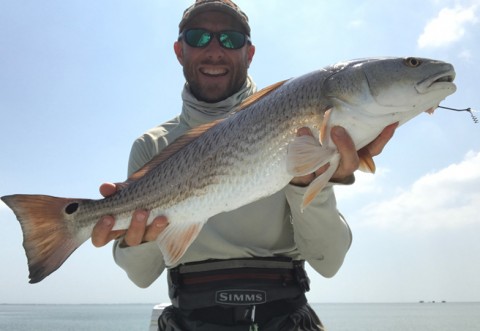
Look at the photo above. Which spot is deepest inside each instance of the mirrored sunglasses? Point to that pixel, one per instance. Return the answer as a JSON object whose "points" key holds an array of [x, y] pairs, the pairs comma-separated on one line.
{"points": [[200, 38]]}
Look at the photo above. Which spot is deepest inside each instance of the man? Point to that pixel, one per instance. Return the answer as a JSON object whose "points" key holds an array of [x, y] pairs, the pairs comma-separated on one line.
{"points": [[245, 269]]}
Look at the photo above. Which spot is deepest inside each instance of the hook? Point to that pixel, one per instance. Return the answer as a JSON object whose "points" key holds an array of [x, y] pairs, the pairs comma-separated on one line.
{"points": [[470, 110]]}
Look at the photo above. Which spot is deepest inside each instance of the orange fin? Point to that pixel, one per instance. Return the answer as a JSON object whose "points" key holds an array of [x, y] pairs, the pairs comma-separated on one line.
{"points": [[366, 161], [305, 155], [175, 240], [320, 182], [191, 135], [260, 94], [47, 240], [168, 151], [324, 126]]}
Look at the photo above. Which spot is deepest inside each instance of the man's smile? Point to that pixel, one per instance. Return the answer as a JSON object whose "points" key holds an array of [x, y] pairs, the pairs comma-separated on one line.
{"points": [[213, 72]]}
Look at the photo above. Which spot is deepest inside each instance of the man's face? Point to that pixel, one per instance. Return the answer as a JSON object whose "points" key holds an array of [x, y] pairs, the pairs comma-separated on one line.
{"points": [[213, 72]]}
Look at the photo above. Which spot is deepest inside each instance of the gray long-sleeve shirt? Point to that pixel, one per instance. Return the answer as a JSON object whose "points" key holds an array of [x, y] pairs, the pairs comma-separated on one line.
{"points": [[273, 226]]}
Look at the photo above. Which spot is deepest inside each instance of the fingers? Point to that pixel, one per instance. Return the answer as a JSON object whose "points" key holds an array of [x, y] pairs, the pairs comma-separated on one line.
{"points": [[153, 230], [376, 146], [102, 232], [108, 189], [136, 230], [139, 232], [304, 132], [349, 160]]}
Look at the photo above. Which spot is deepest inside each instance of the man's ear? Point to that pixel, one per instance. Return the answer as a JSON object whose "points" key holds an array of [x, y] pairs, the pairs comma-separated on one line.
{"points": [[178, 48], [250, 54]]}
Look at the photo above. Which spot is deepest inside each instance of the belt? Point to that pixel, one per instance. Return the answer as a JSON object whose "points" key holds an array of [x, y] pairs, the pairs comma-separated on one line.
{"points": [[246, 315], [237, 283]]}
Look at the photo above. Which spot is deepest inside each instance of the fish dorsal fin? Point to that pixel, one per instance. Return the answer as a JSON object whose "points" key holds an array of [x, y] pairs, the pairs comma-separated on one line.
{"points": [[168, 151], [260, 94], [191, 135]]}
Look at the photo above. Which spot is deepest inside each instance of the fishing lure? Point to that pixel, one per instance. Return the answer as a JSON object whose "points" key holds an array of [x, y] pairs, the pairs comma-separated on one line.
{"points": [[470, 110]]}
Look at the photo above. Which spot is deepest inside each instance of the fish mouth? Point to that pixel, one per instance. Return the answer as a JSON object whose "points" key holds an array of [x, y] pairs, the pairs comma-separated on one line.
{"points": [[440, 81]]}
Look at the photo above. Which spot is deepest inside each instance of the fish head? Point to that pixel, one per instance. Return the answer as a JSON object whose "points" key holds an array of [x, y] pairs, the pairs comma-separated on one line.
{"points": [[382, 86]]}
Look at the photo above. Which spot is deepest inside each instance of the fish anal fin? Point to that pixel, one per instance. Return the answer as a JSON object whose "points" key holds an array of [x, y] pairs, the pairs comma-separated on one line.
{"points": [[317, 185], [305, 155], [175, 240], [366, 161], [47, 240]]}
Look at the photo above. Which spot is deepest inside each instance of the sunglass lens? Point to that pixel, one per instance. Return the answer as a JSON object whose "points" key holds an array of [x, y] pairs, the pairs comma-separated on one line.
{"points": [[232, 39], [197, 37], [228, 39]]}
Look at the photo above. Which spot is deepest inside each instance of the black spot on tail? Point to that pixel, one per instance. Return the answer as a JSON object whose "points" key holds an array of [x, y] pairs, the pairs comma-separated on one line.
{"points": [[71, 208]]}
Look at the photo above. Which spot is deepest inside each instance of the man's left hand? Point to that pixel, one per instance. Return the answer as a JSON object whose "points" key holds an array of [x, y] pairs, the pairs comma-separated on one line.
{"points": [[349, 159]]}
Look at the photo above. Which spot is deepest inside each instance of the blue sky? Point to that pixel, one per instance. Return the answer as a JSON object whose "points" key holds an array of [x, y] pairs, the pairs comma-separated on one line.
{"points": [[80, 80]]}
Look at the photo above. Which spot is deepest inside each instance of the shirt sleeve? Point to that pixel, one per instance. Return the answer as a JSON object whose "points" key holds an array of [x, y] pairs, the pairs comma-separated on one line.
{"points": [[321, 234], [143, 263]]}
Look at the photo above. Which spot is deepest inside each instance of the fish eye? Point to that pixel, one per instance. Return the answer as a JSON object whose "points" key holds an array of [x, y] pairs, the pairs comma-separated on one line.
{"points": [[412, 62]]}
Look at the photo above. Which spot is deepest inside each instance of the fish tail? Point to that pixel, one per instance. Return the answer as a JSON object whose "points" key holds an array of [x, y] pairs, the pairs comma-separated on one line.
{"points": [[47, 239]]}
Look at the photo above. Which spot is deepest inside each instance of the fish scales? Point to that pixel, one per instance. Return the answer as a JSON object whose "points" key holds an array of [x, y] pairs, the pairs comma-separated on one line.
{"points": [[221, 157], [253, 153]]}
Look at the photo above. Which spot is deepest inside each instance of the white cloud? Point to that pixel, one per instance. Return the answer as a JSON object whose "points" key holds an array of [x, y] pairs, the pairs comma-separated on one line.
{"points": [[448, 27], [448, 198]]}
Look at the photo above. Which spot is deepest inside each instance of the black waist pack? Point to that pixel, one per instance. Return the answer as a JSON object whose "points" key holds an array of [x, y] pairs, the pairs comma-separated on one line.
{"points": [[238, 282]]}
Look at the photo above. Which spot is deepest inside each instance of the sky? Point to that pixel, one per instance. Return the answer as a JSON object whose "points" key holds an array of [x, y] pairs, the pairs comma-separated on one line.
{"points": [[81, 79]]}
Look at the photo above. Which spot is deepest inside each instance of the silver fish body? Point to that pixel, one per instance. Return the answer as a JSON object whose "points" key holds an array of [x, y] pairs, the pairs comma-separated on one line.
{"points": [[252, 153]]}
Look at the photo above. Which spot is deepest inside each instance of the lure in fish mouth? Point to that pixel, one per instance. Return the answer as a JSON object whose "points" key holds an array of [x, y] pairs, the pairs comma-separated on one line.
{"points": [[249, 155]]}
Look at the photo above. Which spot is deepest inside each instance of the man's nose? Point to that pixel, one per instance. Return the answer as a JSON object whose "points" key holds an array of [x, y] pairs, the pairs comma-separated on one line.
{"points": [[214, 49]]}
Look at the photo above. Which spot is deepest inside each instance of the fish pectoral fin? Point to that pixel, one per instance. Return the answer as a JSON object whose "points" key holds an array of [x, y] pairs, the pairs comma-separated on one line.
{"points": [[324, 126], [176, 238], [366, 161], [305, 155], [317, 185]]}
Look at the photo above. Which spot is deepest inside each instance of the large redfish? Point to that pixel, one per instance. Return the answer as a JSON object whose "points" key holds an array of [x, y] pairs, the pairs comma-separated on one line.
{"points": [[251, 154]]}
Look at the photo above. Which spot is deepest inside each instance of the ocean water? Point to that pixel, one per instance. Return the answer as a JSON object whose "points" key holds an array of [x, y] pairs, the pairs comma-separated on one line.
{"points": [[400, 317], [336, 317]]}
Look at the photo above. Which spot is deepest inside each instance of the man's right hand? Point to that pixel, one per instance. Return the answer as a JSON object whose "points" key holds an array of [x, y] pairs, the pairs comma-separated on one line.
{"points": [[138, 231]]}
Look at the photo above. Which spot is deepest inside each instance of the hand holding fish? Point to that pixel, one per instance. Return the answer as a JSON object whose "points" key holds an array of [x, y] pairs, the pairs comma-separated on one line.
{"points": [[247, 156], [137, 233], [349, 158]]}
